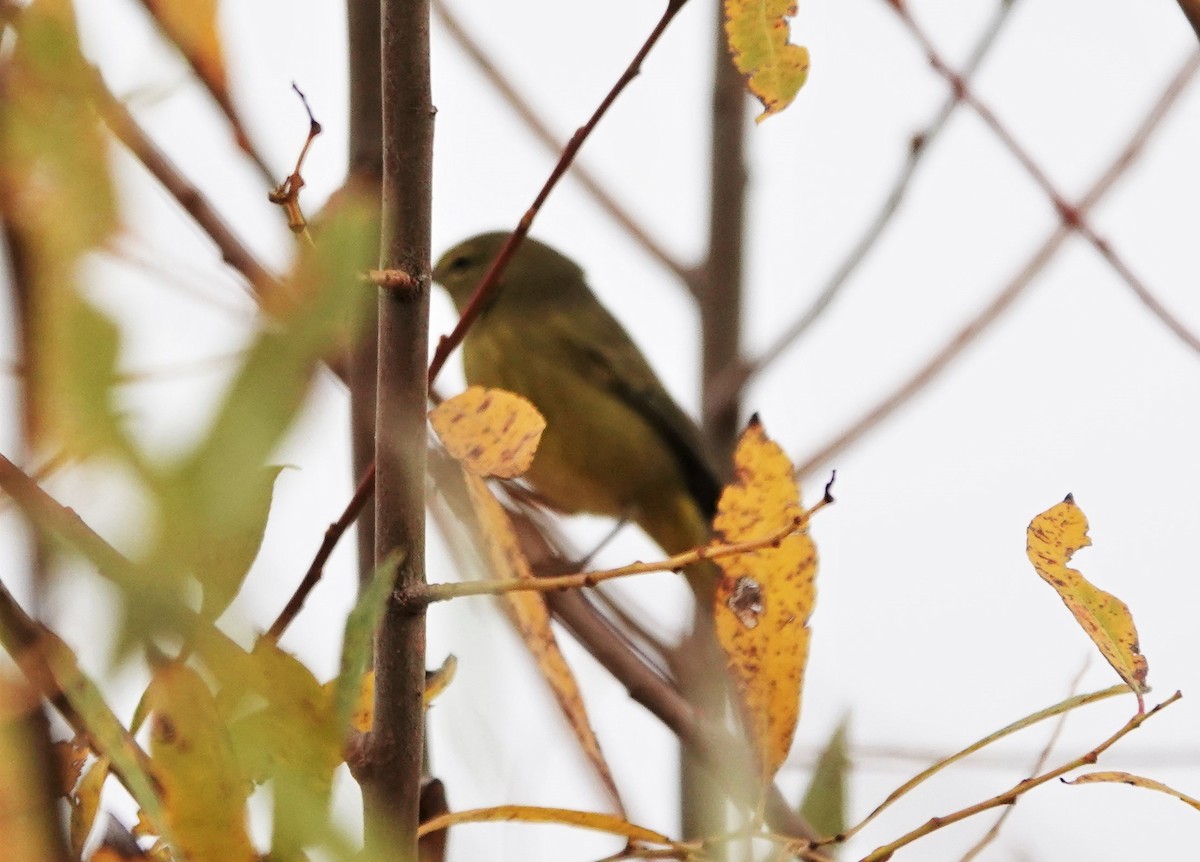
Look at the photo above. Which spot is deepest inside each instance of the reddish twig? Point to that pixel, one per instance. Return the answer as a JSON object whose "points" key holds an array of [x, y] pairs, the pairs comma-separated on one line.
{"points": [[316, 568], [639, 233], [213, 79], [1019, 283], [235, 253], [491, 279], [1072, 216]]}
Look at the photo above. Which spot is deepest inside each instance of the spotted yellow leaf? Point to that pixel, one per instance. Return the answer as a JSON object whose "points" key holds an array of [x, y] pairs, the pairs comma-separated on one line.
{"points": [[765, 597], [1051, 540], [531, 617], [492, 432], [757, 31]]}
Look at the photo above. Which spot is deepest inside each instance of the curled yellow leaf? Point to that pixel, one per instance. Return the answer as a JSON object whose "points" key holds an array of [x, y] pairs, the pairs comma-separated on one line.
{"points": [[757, 31], [765, 597], [491, 431], [1134, 781], [1052, 539], [531, 617]]}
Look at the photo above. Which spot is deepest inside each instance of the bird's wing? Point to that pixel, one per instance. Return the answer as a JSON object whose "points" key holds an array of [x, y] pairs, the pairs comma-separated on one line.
{"points": [[611, 361]]}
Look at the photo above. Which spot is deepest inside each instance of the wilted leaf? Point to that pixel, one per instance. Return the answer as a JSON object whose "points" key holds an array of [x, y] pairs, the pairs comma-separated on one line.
{"points": [[72, 755], [825, 804], [529, 613], [85, 803], [1051, 540], [1134, 781], [48, 661], [764, 598], [203, 789], [491, 431], [758, 32]]}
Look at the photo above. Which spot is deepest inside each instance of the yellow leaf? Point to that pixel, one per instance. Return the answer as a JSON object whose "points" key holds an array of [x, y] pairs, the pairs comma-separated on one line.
{"points": [[1051, 540], [535, 814], [202, 787], [532, 619], [765, 597], [363, 713], [492, 432], [1134, 781], [758, 31]]}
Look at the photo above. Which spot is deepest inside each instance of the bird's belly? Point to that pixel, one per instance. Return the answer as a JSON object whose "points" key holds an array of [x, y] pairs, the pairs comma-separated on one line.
{"points": [[597, 453]]}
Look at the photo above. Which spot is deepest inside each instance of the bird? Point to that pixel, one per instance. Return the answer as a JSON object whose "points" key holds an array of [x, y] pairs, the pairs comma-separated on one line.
{"points": [[616, 443]]}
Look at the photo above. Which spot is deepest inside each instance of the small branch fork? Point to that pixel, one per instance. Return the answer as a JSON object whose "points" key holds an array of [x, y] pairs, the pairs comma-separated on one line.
{"points": [[1018, 284], [1074, 217], [1008, 797], [579, 580], [287, 193]]}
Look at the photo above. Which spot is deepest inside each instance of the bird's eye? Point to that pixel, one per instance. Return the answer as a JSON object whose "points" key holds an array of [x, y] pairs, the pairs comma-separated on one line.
{"points": [[460, 263]]}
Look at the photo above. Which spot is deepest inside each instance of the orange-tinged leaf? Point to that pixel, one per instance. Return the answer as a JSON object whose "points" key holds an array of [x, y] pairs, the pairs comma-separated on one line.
{"points": [[529, 613], [72, 754], [1051, 540], [765, 597], [491, 431], [202, 787], [758, 31], [192, 26], [1134, 781]]}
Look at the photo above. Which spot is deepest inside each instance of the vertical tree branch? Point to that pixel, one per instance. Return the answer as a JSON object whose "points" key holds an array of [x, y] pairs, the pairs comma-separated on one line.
{"points": [[721, 288], [366, 169], [719, 291], [391, 772]]}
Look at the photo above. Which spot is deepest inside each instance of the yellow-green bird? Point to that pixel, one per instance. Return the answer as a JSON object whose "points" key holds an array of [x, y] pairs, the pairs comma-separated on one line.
{"points": [[615, 443]]}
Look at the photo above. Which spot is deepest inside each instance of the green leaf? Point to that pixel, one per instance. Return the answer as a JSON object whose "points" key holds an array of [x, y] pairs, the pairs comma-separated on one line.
{"points": [[359, 637], [825, 803]]}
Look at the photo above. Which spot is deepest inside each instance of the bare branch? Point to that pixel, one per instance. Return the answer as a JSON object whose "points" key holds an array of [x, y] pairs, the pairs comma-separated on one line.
{"points": [[638, 232], [491, 279], [733, 378], [1024, 277]]}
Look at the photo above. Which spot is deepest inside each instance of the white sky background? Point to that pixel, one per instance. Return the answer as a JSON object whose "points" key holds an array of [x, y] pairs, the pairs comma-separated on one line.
{"points": [[931, 628]]}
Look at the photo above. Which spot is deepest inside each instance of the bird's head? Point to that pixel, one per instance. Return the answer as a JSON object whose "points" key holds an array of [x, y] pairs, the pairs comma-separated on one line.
{"points": [[534, 273]]}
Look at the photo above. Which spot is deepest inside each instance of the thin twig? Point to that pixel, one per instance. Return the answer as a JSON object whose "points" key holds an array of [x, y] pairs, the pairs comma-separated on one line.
{"points": [[928, 772], [491, 279], [1008, 797], [1024, 277], [638, 232], [732, 379], [1038, 765], [233, 251], [316, 568], [1073, 217], [579, 580], [212, 78]]}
